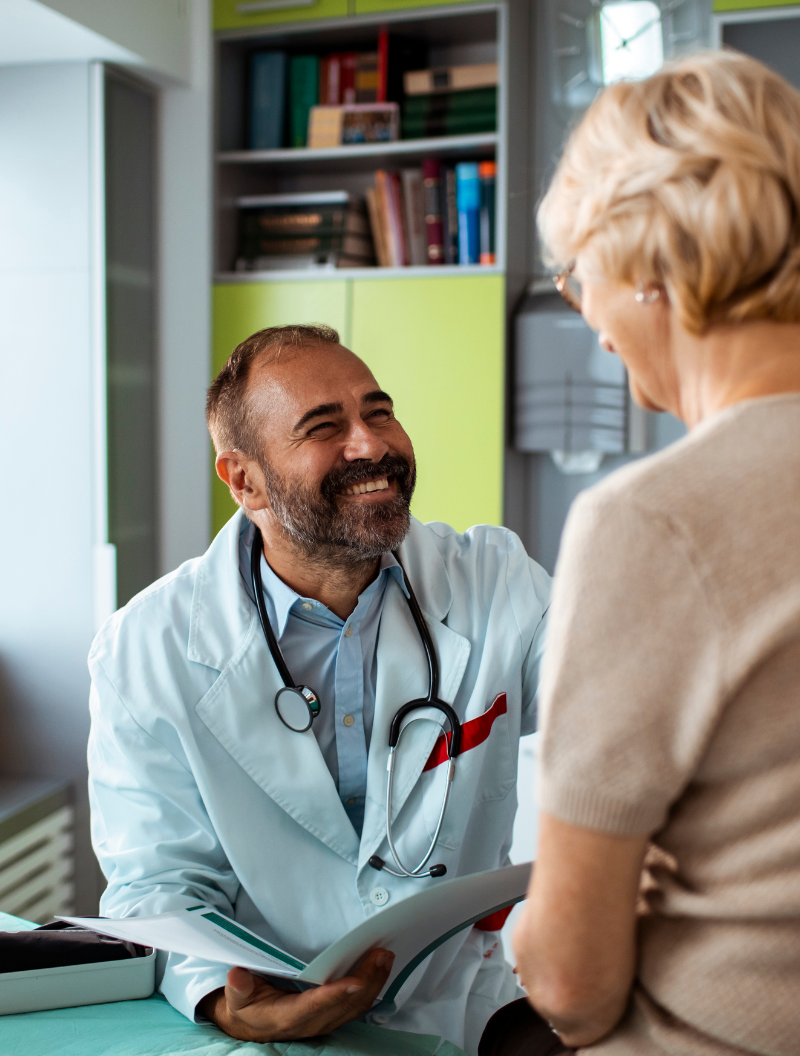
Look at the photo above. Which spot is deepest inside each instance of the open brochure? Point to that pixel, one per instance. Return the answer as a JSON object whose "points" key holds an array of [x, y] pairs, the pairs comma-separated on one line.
{"points": [[411, 928]]}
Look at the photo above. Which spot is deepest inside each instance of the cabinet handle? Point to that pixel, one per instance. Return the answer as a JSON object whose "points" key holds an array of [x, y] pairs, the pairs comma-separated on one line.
{"points": [[250, 7]]}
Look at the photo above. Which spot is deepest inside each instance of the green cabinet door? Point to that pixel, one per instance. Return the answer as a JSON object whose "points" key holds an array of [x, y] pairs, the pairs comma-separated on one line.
{"points": [[228, 13], [437, 346], [364, 7], [745, 5], [242, 308]]}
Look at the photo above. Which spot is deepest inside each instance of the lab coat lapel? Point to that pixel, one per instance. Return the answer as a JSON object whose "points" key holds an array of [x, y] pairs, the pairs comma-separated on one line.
{"points": [[239, 708], [402, 675]]}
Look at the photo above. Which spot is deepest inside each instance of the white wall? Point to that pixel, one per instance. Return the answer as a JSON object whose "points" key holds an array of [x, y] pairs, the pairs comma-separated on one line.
{"points": [[157, 31], [185, 305], [46, 428], [51, 333]]}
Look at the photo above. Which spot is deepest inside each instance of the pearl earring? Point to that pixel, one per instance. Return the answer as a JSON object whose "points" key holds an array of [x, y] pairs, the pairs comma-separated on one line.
{"points": [[645, 295]]}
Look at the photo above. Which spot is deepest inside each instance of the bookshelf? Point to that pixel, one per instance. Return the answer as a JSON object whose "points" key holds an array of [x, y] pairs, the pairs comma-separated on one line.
{"points": [[435, 335], [454, 34]]}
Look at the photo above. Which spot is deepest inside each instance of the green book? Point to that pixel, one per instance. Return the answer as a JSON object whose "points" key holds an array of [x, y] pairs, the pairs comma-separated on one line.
{"points": [[303, 94]]}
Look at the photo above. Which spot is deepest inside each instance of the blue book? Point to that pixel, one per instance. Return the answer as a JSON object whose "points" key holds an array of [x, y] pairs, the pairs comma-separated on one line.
{"points": [[267, 99], [468, 202]]}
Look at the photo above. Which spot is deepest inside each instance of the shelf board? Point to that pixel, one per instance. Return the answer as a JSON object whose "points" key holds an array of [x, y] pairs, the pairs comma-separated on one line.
{"points": [[483, 142], [315, 275]]}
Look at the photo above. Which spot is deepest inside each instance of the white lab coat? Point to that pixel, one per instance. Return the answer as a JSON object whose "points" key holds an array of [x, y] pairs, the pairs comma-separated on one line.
{"points": [[199, 793]]}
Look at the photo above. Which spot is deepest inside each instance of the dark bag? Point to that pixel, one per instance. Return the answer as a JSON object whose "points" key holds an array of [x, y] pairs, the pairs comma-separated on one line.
{"points": [[60, 944]]}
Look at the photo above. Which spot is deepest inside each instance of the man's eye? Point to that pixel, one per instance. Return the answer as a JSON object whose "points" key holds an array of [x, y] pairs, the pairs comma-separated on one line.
{"points": [[381, 412], [322, 425]]}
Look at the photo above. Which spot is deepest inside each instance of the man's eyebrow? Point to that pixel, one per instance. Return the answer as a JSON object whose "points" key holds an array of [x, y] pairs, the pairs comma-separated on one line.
{"points": [[377, 396], [315, 412]]}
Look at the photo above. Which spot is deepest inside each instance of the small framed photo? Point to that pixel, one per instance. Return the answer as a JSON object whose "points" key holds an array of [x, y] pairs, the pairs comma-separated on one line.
{"points": [[335, 126]]}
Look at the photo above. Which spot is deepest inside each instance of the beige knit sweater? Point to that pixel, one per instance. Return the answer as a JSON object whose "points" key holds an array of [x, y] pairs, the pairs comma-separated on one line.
{"points": [[671, 707]]}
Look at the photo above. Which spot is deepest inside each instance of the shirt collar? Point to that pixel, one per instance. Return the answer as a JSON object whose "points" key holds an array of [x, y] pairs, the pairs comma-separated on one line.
{"points": [[281, 595]]}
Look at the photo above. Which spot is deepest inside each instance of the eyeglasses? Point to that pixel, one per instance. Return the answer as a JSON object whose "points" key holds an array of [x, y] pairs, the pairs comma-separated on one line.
{"points": [[569, 287]]}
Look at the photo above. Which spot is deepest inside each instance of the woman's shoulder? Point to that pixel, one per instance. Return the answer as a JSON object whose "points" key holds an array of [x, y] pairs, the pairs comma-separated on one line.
{"points": [[732, 459]]}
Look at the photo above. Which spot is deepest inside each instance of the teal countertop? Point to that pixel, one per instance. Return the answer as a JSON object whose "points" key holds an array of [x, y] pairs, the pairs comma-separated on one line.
{"points": [[153, 1028]]}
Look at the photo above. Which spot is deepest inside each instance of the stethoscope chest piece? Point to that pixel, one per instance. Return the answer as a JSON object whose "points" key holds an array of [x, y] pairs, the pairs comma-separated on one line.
{"points": [[297, 707]]}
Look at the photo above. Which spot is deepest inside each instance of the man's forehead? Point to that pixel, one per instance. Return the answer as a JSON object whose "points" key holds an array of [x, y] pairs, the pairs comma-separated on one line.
{"points": [[305, 377]]}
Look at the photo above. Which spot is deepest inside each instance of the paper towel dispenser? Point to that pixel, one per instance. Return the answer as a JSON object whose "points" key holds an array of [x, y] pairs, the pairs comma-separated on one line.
{"points": [[570, 396]]}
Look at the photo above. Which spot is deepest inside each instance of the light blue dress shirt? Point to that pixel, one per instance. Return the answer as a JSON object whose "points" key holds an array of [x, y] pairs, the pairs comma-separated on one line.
{"points": [[337, 659]]}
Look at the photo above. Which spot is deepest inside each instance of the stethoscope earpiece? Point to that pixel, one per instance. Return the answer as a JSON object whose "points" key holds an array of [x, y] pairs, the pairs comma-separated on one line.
{"points": [[298, 706]]}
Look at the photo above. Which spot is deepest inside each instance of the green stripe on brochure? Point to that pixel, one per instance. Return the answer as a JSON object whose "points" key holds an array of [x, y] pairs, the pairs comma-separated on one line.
{"points": [[394, 989], [251, 940]]}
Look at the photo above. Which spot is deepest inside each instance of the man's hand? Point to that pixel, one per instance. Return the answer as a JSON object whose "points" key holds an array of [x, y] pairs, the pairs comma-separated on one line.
{"points": [[250, 1009]]}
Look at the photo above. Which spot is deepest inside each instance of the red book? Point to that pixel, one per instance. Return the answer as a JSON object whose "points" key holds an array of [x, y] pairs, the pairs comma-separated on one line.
{"points": [[330, 77], [398, 219], [383, 65], [434, 227], [347, 77]]}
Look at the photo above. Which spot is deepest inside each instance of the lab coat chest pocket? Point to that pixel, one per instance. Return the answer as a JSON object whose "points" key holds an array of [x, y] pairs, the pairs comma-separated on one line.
{"points": [[486, 769]]}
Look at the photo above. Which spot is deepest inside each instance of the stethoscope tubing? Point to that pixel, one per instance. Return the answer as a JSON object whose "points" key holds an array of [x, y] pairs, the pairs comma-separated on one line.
{"points": [[396, 727]]}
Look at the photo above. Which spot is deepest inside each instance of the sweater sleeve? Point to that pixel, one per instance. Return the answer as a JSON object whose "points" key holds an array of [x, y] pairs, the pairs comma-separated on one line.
{"points": [[631, 686]]}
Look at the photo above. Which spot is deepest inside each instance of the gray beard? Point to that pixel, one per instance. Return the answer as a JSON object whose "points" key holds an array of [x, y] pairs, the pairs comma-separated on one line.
{"points": [[337, 537]]}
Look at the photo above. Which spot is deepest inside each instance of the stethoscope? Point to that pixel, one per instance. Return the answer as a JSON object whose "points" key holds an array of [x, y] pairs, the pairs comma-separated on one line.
{"points": [[298, 706]]}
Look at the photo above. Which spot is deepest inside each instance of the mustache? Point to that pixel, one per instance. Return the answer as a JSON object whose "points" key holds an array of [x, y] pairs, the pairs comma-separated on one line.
{"points": [[357, 472]]}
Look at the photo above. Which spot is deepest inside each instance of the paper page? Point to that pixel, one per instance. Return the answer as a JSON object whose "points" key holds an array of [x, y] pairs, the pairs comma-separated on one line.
{"points": [[199, 931], [415, 926]]}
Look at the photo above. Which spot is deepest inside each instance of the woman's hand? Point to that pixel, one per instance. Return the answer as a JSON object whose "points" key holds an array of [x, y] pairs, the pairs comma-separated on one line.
{"points": [[249, 1009], [575, 941]]}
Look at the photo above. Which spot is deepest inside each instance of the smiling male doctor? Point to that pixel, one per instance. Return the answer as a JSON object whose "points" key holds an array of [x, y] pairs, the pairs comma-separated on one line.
{"points": [[200, 793]]}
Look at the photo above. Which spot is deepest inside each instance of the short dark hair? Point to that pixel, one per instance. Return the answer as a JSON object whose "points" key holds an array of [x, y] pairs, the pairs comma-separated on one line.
{"points": [[227, 410]]}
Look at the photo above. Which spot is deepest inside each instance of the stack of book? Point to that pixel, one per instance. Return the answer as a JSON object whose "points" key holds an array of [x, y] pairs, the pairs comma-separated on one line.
{"points": [[283, 88], [452, 101], [291, 231], [434, 215]]}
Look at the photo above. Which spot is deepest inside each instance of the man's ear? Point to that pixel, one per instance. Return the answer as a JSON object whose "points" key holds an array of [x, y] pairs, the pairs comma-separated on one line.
{"points": [[244, 478]]}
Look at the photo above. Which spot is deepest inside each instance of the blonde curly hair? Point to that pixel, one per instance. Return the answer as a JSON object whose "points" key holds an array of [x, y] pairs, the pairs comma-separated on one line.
{"points": [[691, 179]]}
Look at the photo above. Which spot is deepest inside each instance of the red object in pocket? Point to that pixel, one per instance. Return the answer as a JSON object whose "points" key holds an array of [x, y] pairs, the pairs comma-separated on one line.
{"points": [[473, 733], [494, 921]]}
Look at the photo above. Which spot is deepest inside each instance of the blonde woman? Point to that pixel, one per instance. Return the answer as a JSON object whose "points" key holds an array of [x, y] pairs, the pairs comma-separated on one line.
{"points": [[671, 689]]}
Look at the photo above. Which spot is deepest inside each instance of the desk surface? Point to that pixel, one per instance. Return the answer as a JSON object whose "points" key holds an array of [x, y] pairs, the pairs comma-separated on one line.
{"points": [[153, 1028]]}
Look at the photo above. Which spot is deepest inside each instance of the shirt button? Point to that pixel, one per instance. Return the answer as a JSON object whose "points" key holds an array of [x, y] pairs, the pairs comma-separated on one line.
{"points": [[348, 720], [307, 605], [379, 896], [348, 632], [351, 802]]}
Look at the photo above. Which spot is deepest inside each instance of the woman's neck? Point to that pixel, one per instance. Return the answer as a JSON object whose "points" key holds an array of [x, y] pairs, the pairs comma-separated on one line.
{"points": [[733, 363]]}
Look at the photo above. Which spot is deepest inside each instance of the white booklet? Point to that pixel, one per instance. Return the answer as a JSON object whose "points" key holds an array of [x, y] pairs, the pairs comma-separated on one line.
{"points": [[412, 929]]}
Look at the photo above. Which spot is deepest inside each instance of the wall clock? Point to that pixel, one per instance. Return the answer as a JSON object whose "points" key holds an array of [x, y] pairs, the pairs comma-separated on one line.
{"points": [[593, 43]]}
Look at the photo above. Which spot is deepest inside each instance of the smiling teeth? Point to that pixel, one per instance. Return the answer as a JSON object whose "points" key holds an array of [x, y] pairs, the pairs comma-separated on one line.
{"points": [[369, 485]]}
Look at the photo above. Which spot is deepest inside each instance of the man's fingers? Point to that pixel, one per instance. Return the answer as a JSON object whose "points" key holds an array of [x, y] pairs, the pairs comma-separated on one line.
{"points": [[339, 1002], [239, 988]]}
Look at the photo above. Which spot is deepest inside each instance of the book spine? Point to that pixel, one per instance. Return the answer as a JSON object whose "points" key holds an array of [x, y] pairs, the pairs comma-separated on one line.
{"points": [[383, 66], [468, 196], [450, 78], [450, 215], [329, 80], [394, 247], [487, 171], [377, 228], [267, 99], [366, 77], [399, 220], [413, 201], [434, 231], [347, 77], [303, 94]]}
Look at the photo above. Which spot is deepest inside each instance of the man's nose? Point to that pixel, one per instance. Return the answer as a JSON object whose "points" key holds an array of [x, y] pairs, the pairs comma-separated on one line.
{"points": [[362, 443]]}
